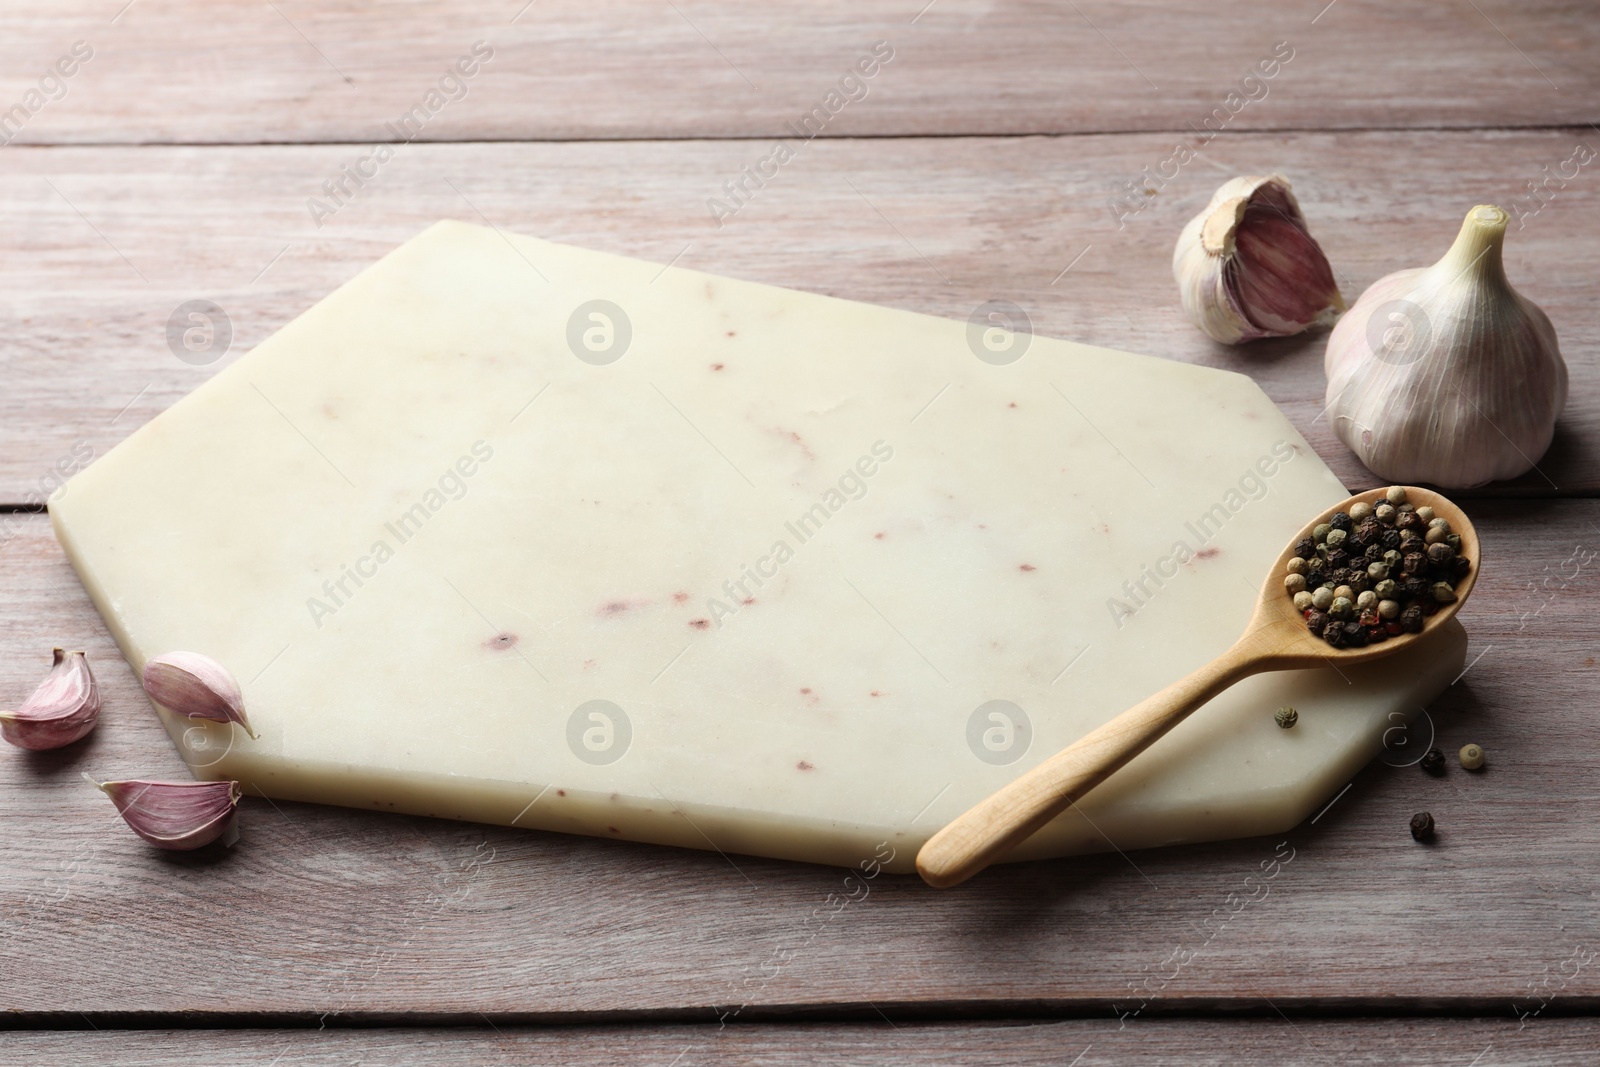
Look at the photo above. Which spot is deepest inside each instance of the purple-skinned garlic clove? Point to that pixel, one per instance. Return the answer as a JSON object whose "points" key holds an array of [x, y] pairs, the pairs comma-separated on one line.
{"points": [[63, 709], [196, 687], [1247, 266], [176, 815]]}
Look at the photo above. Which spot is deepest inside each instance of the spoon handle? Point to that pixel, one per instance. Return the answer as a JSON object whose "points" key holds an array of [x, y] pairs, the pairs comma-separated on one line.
{"points": [[990, 830]]}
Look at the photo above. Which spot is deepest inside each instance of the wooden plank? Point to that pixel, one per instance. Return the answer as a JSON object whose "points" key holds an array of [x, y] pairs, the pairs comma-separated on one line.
{"points": [[322, 910], [106, 243], [244, 72], [1275, 1042]]}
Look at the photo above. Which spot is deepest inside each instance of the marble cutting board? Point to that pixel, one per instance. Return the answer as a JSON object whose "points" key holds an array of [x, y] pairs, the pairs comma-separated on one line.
{"points": [[516, 532]]}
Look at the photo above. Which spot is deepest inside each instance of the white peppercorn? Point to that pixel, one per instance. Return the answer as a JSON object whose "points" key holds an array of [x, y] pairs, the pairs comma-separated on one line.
{"points": [[1388, 609], [1472, 757], [1395, 494], [1366, 600], [1297, 565], [1436, 535], [1359, 510], [1425, 514], [1343, 591], [1295, 583], [1302, 600], [1385, 514], [1322, 598]]}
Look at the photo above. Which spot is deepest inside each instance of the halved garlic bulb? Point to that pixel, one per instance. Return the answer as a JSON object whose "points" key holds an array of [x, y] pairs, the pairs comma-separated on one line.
{"points": [[1248, 267]]}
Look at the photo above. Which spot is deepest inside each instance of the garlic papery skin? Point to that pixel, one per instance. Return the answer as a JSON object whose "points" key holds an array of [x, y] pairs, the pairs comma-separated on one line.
{"points": [[1248, 267], [196, 687], [64, 708], [1446, 375], [176, 815]]}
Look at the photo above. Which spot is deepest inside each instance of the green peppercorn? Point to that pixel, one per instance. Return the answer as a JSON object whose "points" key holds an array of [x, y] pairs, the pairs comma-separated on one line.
{"points": [[1388, 609], [1425, 514], [1377, 571], [1385, 589], [1472, 757], [1454, 541], [1320, 532], [1422, 826], [1392, 557], [1322, 598], [1341, 608], [1286, 717], [1335, 538], [1395, 494], [1442, 593]]}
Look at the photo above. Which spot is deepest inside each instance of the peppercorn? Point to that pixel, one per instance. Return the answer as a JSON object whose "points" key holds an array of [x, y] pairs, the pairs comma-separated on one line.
{"points": [[1454, 541], [1386, 589], [1315, 578], [1425, 514], [1413, 588], [1442, 593], [1320, 532], [1294, 583], [1441, 554], [1305, 548], [1433, 762], [1413, 563], [1338, 558], [1366, 601], [1385, 514], [1322, 598], [1369, 529], [1388, 609], [1316, 621], [1360, 510], [1395, 494], [1340, 521], [1410, 541], [1389, 539], [1376, 635], [1460, 567], [1302, 600], [1472, 757], [1286, 717], [1296, 565], [1343, 592], [1333, 633], [1373, 554], [1337, 535], [1355, 635], [1359, 582], [1436, 536], [1411, 619], [1377, 571], [1422, 826], [1407, 520]]}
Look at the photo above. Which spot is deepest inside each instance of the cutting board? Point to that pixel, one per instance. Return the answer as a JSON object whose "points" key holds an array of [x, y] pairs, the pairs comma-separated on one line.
{"points": [[515, 532]]}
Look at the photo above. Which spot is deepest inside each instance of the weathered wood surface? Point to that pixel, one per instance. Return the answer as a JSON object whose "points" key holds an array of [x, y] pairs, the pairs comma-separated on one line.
{"points": [[103, 244], [323, 910], [199, 72], [1274, 1042]]}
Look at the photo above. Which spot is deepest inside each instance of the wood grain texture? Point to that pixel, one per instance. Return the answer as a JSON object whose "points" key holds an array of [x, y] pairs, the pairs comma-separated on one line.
{"points": [[105, 243], [191, 71], [1275, 1042], [323, 910]]}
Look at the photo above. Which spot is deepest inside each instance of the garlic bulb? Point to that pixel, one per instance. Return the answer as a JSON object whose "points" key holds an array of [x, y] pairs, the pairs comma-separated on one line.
{"points": [[1445, 374], [1248, 267]]}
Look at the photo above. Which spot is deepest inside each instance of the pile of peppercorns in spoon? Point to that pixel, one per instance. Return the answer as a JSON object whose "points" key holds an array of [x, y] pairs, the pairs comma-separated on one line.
{"points": [[1372, 573]]}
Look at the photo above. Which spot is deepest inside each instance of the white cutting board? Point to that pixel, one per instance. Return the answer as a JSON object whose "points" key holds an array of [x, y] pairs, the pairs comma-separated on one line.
{"points": [[717, 564]]}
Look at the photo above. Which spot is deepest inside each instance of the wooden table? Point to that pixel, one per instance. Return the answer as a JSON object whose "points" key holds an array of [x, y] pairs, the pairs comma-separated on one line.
{"points": [[1005, 151]]}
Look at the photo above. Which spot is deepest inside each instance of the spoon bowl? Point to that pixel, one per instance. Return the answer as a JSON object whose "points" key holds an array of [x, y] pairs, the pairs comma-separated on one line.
{"points": [[1276, 639]]}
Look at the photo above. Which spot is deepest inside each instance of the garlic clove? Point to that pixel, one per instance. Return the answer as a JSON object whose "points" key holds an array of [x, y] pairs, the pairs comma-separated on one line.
{"points": [[176, 815], [64, 708], [1446, 375], [197, 687], [1247, 266]]}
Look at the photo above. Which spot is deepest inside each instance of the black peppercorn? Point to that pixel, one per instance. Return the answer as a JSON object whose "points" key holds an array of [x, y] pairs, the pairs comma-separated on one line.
{"points": [[1373, 553], [1333, 633], [1369, 530], [1358, 581], [1422, 826], [1411, 619], [1377, 635], [1338, 557], [1305, 548], [1389, 539], [1315, 579], [1413, 588], [1460, 567], [1407, 520], [1413, 563], [1433, 762], [1441, 554], [1355, 635], [1316, 621], [1341, 521]]}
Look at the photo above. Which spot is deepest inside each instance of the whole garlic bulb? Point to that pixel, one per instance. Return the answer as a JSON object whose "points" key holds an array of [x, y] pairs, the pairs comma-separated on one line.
{"points": [[1248, 267], [1445, 374]]}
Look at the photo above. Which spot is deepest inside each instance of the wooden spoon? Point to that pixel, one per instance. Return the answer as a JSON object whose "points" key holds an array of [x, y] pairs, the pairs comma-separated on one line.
{"points": [[1275, 640]]}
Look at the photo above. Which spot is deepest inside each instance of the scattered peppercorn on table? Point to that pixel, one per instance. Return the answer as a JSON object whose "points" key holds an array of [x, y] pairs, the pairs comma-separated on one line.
{"points": [[1010, 170]]}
